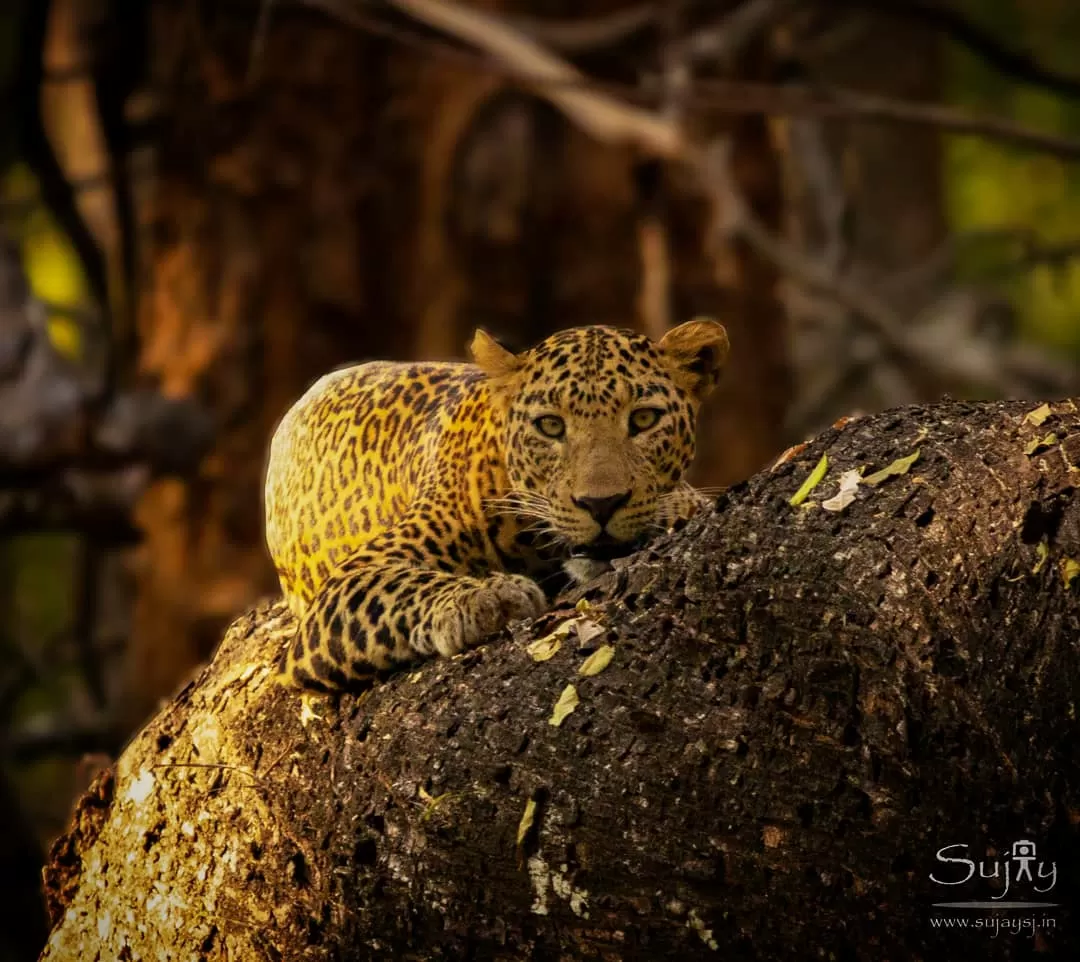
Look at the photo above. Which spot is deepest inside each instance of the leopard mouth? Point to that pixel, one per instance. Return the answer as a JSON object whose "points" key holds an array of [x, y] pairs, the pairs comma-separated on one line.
{"points": [[606, 548]]}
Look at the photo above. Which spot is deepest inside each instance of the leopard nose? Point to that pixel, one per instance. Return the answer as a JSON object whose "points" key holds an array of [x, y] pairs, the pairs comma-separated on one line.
{"points": [[602, 509]]}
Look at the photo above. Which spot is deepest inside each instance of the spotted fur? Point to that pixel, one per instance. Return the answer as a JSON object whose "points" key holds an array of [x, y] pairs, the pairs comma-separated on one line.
{"points": [[412, 509]]}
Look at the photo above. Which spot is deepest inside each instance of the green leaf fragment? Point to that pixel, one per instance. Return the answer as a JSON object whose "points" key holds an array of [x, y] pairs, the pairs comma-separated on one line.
{"points": [[597, 661], [812, 481], [1070, 571], [566, 704], [1042, 552], [1040, 443], [1040, 414], [898, 467], [432, 802], [528, 817]]}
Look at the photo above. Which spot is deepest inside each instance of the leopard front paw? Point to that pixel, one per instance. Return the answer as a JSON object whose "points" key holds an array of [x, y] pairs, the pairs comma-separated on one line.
{"points": [[485, 609]]}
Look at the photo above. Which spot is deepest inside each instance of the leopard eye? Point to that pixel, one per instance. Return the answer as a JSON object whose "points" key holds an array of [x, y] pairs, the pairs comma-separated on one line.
{"points": [[642, 419], [550, 426]]}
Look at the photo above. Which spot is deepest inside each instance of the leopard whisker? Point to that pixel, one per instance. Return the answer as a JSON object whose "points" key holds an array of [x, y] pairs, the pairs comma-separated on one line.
{"points": [[555, 541], [526, 503], [520, 512], [540, 525]]}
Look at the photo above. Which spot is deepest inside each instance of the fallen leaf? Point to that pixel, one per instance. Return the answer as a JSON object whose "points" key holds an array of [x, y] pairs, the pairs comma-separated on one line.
{"points": [[812, 481], [1040, 414], [567, 702], [898, 467], [547, 647], [849, 484], [1070, 569], [588, 630], [1040, 443], [597, 661], [527, 819], [793, 451], [1042, 552]]}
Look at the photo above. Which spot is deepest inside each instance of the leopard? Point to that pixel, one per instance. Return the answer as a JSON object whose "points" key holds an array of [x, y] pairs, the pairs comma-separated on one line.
{"points": [[415, 509]]}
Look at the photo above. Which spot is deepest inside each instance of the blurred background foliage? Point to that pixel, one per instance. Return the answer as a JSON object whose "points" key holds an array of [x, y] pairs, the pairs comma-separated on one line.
{"points": [[1008, 201]]}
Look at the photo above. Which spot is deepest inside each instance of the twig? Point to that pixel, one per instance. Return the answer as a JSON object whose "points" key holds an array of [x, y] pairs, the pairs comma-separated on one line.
{"points": [[726, 38], [834, 102], [1018, 64], [602, 116], [713, 168], [594, 33], [823, 185], [1025, 251]]}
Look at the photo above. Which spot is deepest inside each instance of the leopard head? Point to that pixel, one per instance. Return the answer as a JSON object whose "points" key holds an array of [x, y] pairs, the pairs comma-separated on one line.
{"points": [[600, 426]]}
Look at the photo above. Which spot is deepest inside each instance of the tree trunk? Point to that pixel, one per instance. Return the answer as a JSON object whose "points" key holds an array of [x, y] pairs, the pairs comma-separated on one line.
{"points": [[802, 708]]}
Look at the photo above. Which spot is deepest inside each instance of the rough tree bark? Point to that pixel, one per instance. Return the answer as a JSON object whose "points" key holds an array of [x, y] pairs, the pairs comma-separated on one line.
{"points": [[803, 706]]}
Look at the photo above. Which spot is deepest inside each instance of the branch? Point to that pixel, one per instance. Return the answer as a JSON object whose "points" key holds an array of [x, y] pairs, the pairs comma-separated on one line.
{"points": [[713, 168], [38, 151], [600, 115], [843, 104], [1018, 64], [771, 753], [86, 473], [593, 33], [724, 39]]}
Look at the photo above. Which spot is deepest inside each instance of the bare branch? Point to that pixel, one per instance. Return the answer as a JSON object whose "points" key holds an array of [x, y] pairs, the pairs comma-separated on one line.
{"points": [[945, 18], [599, 114], [919, 344], [725, 39], [822, 101], [738, 220], [594, 33]]}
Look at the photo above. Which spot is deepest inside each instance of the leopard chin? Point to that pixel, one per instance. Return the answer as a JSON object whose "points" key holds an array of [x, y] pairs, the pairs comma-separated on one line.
{"points": [[607, 548]]}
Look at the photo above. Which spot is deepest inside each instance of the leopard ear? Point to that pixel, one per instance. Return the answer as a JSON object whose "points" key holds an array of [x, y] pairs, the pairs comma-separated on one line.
{"points": [[695, 353], [492, 358]]}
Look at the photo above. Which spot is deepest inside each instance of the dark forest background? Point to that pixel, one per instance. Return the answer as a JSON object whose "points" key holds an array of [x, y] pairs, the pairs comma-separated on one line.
{"points": [[205, 205]]}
